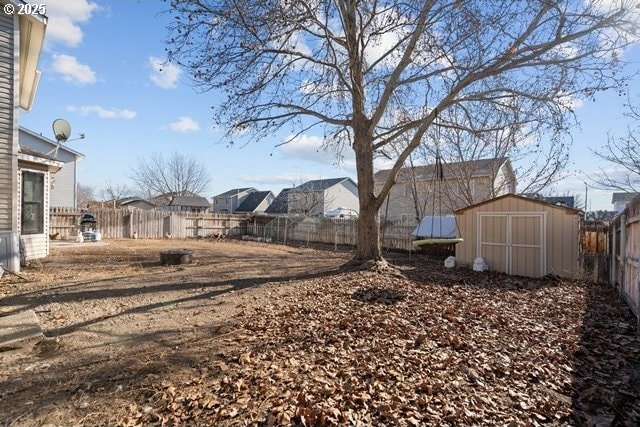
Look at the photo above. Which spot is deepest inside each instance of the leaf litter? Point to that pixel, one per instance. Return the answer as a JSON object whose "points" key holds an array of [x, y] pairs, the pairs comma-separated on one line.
{"points": [[361, 348]]}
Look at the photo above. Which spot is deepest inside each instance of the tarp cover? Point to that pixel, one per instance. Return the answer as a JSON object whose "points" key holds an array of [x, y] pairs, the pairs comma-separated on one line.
{"points": [[443, 227]]}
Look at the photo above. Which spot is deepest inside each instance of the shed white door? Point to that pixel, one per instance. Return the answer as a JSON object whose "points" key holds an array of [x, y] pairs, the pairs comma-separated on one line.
{"points": [[513, 243]]}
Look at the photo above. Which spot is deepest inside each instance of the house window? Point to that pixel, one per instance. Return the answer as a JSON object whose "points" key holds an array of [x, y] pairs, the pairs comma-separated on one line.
{"points": [[32, 203]]}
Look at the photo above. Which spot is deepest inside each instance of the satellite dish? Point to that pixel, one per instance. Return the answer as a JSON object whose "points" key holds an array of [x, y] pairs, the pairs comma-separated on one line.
{"points": [[61, 129]]}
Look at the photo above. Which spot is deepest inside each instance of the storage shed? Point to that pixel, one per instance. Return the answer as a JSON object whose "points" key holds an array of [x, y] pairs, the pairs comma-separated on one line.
{"points": [[520, 236]]}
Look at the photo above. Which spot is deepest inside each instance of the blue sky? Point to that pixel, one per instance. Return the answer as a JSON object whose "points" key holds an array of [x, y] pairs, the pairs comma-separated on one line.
{"points": [[101, 71]]}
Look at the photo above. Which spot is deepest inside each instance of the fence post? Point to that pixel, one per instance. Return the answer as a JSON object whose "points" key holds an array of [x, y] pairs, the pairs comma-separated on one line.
{"points": [[286, 226], [623, 252], [613, 255]]}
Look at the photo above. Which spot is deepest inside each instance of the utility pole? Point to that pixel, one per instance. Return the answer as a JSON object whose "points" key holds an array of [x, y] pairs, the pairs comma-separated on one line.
{"points": [[586, 193]]}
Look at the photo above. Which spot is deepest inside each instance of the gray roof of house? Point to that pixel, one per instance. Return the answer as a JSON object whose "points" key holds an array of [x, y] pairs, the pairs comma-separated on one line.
{"points": [[568, 201], [252, 201], [281, 204], [623, 197], [128, 200], [234, 192], [481, 167], [195, 201], [51, 142], [320, 184]]}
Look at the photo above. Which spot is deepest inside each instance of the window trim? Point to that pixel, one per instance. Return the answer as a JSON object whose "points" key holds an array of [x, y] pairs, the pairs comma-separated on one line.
{"points": [[40, 226]]}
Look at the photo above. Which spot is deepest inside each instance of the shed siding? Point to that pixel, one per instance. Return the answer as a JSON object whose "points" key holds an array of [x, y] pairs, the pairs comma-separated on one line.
{"points": [[8, 132], [561, 236]]}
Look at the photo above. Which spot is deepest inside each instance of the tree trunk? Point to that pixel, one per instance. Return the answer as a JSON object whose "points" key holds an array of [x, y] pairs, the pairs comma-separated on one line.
{"points": [[369, 247]]}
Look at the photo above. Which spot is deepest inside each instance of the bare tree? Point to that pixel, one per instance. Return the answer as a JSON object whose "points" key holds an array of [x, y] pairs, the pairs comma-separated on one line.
{"points": [[84, 195], [177, 175], [112, 193], [623, 154], [371, 74]]}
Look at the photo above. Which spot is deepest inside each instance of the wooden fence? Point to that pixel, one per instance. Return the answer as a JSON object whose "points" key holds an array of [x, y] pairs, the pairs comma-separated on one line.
{"points": [[152, 224], [157, 224], [333, 231], [625, 255]]}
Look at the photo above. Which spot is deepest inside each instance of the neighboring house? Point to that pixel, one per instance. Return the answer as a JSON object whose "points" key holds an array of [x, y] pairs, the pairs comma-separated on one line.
{"points": [[256, 202], [566, 201], [417, 193], [230, 200], [125, 202], [136, 203], [620, 200], [21, 218], [193, 204], [314, 198], [64, 184], [280, 205]]}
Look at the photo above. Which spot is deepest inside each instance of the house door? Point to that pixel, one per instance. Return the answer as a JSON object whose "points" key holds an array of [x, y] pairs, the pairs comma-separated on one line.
{"points": [[513, 243]]}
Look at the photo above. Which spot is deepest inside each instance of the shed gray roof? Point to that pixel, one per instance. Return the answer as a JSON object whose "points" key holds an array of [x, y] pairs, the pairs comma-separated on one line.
{"points": [[252, 201], [481, 167], [195, 201], [234, 192], [623, 197], [516, 196], [281, 204]]}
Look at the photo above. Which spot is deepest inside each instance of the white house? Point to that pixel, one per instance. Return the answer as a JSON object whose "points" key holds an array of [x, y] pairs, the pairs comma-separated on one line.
{"points": [[64, 184], [317, 197], [21, 40], [230, 200], [256, 202]]}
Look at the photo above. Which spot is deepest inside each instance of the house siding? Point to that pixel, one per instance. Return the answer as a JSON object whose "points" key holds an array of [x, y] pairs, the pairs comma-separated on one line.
{"points": [[229, 203], [342, 195], [561, 236], [8, 120], [265, 204], [34, 246], [442, 197], [63, 182]]}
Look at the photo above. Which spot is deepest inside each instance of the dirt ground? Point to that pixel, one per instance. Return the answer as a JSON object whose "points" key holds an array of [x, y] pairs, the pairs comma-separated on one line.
{"points": [[255, 333]]}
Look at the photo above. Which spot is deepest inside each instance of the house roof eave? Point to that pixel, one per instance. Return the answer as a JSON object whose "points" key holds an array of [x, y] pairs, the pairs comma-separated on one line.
{"points": [[52, 143], [32, 28]]}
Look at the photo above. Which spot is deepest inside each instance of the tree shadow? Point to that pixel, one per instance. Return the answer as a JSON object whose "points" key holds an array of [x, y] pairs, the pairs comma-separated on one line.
{"points": [[88, 389], [606, 376]]}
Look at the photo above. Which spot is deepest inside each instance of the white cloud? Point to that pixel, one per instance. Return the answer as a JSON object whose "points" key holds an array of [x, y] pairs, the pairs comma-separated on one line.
{"points": [[164, 75], [73, 71], [184, 124], [287, 179], [103, 113], [65, 18], [311, 148]]}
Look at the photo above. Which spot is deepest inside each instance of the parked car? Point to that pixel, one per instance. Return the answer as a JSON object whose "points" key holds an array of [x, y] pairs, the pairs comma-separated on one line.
{"points": [[342, 213]]}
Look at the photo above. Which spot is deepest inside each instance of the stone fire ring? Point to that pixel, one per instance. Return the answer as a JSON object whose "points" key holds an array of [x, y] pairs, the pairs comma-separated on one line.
{"points": [[176, 256]]}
